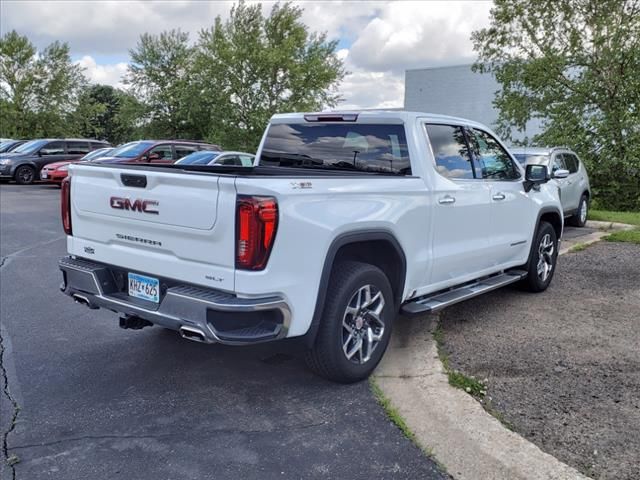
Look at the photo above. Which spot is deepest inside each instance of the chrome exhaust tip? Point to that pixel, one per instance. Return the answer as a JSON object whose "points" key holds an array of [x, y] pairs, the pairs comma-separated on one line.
{"points": [[81, 299], [192, 333]]}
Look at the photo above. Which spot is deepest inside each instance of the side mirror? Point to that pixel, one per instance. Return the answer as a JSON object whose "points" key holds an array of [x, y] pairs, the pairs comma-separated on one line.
{"points": [[535, 175], [560, 173]]}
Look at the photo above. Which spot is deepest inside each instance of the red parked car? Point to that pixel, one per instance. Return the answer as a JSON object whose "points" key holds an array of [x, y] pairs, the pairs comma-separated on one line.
{"points": [[56, 172], [155, 151]]}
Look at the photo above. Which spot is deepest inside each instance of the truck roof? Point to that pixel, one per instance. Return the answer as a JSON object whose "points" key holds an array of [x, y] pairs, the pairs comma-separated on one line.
{"points": [[535, 150], [382, 115]]}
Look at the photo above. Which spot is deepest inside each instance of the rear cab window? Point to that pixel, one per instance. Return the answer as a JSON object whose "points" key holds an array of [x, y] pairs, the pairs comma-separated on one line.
{"points": [[366, 147]]}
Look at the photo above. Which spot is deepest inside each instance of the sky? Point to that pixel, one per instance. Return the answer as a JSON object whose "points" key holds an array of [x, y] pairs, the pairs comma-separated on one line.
{"points": [[378, 41]]}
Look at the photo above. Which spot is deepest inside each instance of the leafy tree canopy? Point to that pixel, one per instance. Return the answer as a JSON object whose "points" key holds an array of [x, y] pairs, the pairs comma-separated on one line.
{"points": [[575, 64], [36, 88], [252, 66]]}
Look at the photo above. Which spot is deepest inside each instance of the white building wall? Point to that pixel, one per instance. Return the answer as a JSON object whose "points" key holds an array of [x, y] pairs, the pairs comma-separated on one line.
{"points": [[459, 92]]}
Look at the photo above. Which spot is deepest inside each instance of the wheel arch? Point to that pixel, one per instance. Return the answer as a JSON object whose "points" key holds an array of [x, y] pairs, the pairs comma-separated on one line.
{"points": [[553, 216], [376, 247]]}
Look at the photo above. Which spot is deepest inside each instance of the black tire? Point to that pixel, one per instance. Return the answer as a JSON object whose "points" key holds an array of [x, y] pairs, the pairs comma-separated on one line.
{"points": [[25, 175], [535, 281], [327, 357], [580, 218]]}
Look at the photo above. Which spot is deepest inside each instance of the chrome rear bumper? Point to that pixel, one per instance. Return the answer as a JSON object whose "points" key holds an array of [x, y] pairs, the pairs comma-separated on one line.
{"points": [[199, 313]]}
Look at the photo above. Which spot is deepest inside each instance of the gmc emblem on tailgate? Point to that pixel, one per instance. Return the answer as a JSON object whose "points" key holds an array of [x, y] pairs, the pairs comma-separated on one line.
{"points": [[138, 205]]}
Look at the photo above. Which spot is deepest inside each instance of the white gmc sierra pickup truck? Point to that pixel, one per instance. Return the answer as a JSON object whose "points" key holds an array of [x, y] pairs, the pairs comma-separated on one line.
{"points": [[346, 220]]}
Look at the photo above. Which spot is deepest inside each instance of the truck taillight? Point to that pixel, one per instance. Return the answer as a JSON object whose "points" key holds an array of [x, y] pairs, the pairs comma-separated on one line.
{"points": [[65, 205], [256, 225]]}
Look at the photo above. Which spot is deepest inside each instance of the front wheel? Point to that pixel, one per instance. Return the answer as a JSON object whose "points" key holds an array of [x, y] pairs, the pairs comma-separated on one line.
{"points": [[356, 323], [543, 258], [25, 175], [580, 218]]}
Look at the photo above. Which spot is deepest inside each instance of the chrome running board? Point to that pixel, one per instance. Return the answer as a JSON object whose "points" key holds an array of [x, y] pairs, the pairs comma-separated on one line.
{"points": [[439, 300]]}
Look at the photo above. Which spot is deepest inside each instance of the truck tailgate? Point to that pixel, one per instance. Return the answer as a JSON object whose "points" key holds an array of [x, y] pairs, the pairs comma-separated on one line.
{"points": [[170, 224]]}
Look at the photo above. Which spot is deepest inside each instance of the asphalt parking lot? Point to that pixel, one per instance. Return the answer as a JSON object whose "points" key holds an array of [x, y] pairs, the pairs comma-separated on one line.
{"points": [[99, 402], [563, 366]]}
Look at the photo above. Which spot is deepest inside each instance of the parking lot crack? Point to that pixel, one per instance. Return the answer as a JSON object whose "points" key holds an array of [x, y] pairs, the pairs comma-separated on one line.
{"points": [[10, 460], [155, 436]]}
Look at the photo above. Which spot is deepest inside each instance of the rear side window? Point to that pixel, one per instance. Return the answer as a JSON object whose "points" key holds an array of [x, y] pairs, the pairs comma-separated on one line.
{"points": [[338, 146], [450, 150], [495, 162], [98, 145], [184, 150], [77, 148], [571, 162]]}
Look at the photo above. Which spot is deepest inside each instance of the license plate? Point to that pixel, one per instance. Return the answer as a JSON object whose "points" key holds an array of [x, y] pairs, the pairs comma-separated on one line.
{"points": [[145, 288], [43, 175]]}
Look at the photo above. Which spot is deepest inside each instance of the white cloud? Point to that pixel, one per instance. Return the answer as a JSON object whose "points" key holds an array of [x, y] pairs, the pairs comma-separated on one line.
{"points": [[379, 40], [418, 34], [105, 27], [104, 74], [370, 89]]}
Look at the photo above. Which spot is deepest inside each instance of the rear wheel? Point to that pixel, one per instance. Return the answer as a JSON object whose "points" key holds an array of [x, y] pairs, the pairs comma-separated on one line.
{"points": [[356, 324], [580, 218], [25, 174], [543, 258]]}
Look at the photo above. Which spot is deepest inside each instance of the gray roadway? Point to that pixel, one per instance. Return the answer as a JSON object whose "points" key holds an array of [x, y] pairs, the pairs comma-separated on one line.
{"points": [[98, 402]]}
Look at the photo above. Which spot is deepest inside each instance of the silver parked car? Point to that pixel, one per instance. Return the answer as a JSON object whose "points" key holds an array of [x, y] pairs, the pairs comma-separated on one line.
{"points": [[211, 157], [575, 191]]}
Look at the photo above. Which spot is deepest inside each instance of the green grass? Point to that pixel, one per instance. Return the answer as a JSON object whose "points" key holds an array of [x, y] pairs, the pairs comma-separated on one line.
{"points": [[631, 218], [391, 412], [627, 236], [399, 422], [468, 384], [578, 247], [457, 379]]}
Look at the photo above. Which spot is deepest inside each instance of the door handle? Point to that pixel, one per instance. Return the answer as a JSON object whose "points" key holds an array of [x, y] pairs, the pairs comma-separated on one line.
{"points": [[499, 196], [447, 199]]}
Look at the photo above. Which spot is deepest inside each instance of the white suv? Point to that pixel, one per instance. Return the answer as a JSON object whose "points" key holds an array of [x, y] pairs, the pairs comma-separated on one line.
{"points": [[575, 192]]}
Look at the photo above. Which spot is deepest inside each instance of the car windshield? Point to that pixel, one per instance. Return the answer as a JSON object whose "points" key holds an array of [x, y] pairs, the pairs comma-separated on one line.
{"points": [[198, 158], [531, 159], [130, 150], [338, 146], [5, 145], [101, 152], [31, 146]]}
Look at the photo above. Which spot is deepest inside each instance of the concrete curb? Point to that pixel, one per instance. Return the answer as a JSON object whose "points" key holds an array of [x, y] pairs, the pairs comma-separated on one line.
{"points": [[608, 225], [604, 229], [450, 424]]}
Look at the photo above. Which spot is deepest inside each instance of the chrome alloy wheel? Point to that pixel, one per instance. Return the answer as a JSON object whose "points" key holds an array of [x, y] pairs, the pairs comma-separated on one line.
{"points": [[362, 324], [583, 212], [545, 257]]}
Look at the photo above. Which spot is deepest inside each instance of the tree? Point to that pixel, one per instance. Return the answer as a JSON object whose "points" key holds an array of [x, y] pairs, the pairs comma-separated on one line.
{"points": [[105, 112], [159, 75], [251, 66], [18, 79], [37, 89], [574, 64]]}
